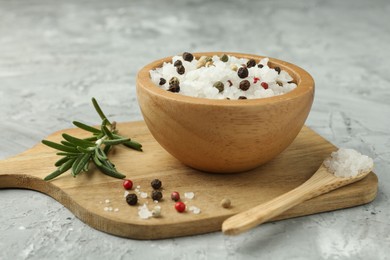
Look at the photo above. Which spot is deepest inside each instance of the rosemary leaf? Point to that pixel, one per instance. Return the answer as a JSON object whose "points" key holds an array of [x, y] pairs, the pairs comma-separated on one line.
{"points": [[75, 154], [99, 110], [134, 145], [110, 172], [91, 139], [59, 146], [107, 132], [86, 166], [63, 168], [130, 144], [116, 141], [100, 154], [85, 150], [66, 143], [62, 161], [86, 127], [107, 148], [78, 142], [80, 163], [96, 160]]}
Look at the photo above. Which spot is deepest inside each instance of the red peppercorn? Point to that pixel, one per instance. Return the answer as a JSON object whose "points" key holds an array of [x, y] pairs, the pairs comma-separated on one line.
{"points": [[264, 85], [127, 184], [255, 79], [180, 206], [175, 196]]}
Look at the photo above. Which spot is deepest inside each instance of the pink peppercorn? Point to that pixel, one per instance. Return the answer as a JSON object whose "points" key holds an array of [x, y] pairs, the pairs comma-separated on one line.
{"points": [[175, 196], [127, 184], [264, 85], [255, 79], [180, 206]]}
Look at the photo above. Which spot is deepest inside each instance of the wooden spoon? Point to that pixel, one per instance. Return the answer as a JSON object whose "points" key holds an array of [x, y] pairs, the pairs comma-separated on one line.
{"points": [[321, 182]]}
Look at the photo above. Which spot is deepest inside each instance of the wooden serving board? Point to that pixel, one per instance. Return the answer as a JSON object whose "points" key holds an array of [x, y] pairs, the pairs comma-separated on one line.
{"points": [[86, 194]]}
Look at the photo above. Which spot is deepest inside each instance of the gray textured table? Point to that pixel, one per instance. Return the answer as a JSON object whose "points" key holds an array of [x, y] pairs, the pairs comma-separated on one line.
{"points": [[55, 55]]}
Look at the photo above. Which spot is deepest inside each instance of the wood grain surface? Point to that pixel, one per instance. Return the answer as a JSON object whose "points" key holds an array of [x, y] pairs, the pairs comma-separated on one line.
{"points": [[86, 194]]}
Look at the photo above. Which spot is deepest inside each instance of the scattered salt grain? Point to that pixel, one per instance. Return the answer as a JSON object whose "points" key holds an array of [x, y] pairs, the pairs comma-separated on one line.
{"points": [[144, 212], [189, 195], [138, 187], [194, 209], [348, 163], [116, 209], [22, 228], [105, 208], [107, 201], [126, 193], [155, 201], [143, 195]]}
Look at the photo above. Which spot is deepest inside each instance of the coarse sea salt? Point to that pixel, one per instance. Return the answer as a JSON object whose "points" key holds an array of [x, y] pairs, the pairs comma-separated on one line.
{"points": [[189, 195], [199, 82], [194, 209], [144, 212], [348, 163]]}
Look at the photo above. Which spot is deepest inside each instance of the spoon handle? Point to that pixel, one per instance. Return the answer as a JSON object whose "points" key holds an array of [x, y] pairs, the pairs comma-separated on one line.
{"points": [[318, 184]]}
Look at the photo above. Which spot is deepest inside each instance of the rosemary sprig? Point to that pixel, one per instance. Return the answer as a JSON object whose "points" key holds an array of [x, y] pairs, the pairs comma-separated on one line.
{"points": [[78, 153]]}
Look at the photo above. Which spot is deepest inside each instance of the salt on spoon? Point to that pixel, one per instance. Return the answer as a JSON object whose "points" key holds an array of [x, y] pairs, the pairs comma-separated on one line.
{"points": [[344, 167]]}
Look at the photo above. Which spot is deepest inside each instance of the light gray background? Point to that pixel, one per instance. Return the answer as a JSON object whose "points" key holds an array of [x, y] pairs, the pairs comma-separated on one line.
{"points": [[56, 55]]}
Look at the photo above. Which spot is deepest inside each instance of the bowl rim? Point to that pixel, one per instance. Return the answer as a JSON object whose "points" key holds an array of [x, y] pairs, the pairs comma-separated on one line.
{"points": [[305, 82]]}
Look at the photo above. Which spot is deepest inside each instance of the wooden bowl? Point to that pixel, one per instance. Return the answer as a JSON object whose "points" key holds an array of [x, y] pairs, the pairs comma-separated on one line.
{"points": [[225, 136]]}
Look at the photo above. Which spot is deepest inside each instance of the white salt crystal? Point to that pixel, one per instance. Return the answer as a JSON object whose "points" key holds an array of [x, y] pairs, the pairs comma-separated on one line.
{"points": [[143, 195], [22, 228], [194, 209], [126, 193], [144, 212], [105, 208], [348, 163], [189, 195], [109, 208], [138, 187], [116, 209], [107, 201]]}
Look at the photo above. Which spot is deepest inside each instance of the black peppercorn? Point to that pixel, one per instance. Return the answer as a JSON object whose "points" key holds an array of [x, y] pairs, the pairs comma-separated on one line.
{"points": [[162, 81], [177, 63], [245, 85], [242, 72], [174, 85], [174, 89], [224, 58], [277, 70], [156, 184], [251, 63], [260, 66], [131, 199], [180, 69], [188, 56], [219, 85], [242, 97], [157, 195]]}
